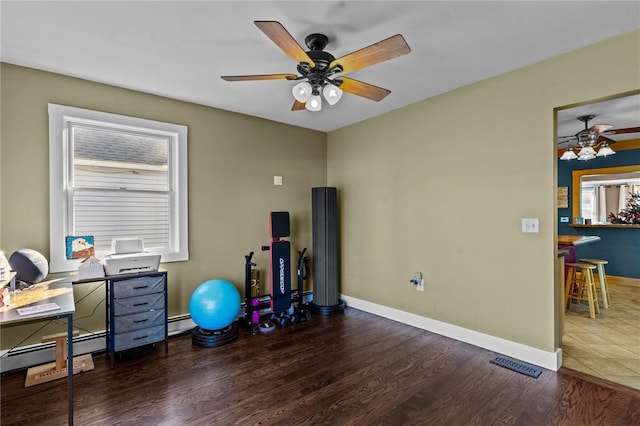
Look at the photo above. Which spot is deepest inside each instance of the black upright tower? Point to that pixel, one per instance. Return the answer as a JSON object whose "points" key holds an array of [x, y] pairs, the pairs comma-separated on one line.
{"points": [[326, 255]]}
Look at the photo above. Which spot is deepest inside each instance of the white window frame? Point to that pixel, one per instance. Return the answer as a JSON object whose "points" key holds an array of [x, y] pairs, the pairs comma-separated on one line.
{"points": [[60, 161]]}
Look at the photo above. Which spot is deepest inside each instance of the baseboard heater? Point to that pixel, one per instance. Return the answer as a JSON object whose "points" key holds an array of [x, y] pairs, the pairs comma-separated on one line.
{"points": [[42, 353]]}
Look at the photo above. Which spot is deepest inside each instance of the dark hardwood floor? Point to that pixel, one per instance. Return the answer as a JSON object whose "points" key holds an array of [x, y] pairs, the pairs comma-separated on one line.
{"points": [[348, 369]]}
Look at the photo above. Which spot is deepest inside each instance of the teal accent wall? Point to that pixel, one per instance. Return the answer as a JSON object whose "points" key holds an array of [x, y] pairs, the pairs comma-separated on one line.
{"points": [[621, 247]]}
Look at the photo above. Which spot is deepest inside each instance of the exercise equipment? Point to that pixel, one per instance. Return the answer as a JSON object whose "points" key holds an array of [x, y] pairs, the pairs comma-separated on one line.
{"points": [[326, 258], [286, 306], [214, 304], [280, 253], [252, 305], [302, 309], [212, 338]]}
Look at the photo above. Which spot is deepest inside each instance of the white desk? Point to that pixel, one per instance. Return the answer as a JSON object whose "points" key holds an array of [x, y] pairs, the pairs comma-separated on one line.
{"points": [[59, 292]]}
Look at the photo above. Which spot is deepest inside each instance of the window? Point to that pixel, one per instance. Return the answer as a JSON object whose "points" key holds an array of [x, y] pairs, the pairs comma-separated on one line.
{"points": [[113, 176]]}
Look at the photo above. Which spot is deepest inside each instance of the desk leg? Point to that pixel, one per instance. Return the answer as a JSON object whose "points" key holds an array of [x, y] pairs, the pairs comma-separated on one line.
{"points": [[70, 366]]}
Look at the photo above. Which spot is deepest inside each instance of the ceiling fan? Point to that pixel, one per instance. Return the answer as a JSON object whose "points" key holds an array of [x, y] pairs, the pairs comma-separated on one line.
{"points": [[591, 137], [320, 72]]}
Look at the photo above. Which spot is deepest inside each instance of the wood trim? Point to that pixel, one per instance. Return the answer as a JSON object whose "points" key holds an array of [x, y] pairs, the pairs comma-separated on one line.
{"points": [[577, 175], [614, 279]]}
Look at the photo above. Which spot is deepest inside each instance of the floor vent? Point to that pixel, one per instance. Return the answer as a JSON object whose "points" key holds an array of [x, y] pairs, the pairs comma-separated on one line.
{"points": [[517, 366]]}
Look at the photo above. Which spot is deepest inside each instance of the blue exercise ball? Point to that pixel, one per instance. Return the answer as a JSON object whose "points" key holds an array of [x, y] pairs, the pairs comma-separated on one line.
{"points": [[214, 304]]}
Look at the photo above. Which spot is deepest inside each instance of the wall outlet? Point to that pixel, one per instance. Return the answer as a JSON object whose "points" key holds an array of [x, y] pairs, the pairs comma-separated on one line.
{"points": [[418, 281], [530, 225]]}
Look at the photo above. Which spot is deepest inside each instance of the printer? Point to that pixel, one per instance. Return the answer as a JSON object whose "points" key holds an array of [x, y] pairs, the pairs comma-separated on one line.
{"points": [[129, 257]]}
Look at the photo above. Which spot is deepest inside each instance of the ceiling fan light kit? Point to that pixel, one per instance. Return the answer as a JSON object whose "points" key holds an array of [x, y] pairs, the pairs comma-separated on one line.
{"points": [[302, 91], [319, 69], [314, 103], [605, 150], [569, 154], [588, 141], [332, 93]]}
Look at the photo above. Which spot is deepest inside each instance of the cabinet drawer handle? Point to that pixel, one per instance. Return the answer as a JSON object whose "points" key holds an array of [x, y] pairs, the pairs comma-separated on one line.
{"points": [[140, 287], [140, 338], [142, 320], [140, 304]]}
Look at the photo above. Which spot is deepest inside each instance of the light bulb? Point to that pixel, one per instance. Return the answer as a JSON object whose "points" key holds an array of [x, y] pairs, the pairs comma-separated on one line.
{"points": [[332, 93], [302, 91], [314, 103], [605, 150], [586, 153], [569, 154]]}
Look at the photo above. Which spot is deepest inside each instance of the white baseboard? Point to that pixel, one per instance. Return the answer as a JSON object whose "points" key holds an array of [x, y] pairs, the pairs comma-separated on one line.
{"points": [[28, 356], [531, 355]]}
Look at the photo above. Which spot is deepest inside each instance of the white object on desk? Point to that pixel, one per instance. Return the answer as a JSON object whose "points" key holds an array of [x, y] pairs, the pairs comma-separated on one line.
{"points": [[91, 267], [129, 257], [38, 309]]}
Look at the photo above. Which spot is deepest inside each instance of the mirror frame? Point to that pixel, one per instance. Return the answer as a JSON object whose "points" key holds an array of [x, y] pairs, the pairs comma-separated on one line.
{"points": [[576, 185]]}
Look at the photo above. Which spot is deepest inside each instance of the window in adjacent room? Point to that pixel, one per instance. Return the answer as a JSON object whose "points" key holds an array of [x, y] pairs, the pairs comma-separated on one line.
{"points": [[113, 176]]}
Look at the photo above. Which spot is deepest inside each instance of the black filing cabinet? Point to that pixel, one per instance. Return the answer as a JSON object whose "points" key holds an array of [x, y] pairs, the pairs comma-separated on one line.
{"points": [[136, 311]]}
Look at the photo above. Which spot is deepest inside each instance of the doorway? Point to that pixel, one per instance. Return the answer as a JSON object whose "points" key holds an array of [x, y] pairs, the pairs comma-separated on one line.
{"points": [[607, 346]]}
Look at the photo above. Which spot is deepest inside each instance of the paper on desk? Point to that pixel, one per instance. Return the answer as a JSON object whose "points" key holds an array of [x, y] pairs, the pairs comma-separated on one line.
{"points": [[38, 309]]}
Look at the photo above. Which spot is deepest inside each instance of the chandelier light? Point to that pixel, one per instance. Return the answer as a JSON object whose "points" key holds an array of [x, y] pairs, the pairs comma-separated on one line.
{"points": [[605, 150], [302, 91], [569, 154], [588, 142], [314, 103], [309, 94], [332, 93]]}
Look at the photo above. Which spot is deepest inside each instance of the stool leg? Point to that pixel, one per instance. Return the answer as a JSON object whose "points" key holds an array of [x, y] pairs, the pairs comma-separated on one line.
{"points": [[594, 306], [571, 274], [595, 294], [603, 287]]}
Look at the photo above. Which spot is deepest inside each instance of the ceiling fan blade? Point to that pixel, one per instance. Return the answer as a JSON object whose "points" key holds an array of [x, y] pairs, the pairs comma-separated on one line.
{"points": [[599, 128], [622, 131], [259, 77], [602, 138], [365, 90], [297, 106], [378, 52], [280, 36]]}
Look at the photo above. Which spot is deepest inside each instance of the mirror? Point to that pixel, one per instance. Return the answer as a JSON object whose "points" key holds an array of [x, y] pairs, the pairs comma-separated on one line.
{"points": [[599, 192]]}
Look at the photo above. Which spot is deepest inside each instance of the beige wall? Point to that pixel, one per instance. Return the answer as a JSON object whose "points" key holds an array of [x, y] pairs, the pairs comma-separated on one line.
{"points": [[232, 161], [441, 187], [438, 187]]}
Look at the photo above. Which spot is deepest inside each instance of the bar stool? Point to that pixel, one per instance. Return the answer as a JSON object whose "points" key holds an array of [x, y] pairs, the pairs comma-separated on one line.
{"points": [[604, 290], [576, 287]]}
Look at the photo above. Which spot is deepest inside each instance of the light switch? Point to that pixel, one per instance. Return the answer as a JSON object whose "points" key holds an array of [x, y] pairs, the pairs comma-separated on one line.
{"points": [[277, 180], [530, 224]]}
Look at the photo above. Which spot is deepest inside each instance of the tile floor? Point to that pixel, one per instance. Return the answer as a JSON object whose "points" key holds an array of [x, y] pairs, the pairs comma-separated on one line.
{"points": [[609, 345]]}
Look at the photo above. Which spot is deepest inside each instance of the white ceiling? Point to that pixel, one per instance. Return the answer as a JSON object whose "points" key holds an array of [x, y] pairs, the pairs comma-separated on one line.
{"points": [[621, 113], [180, 49]]}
